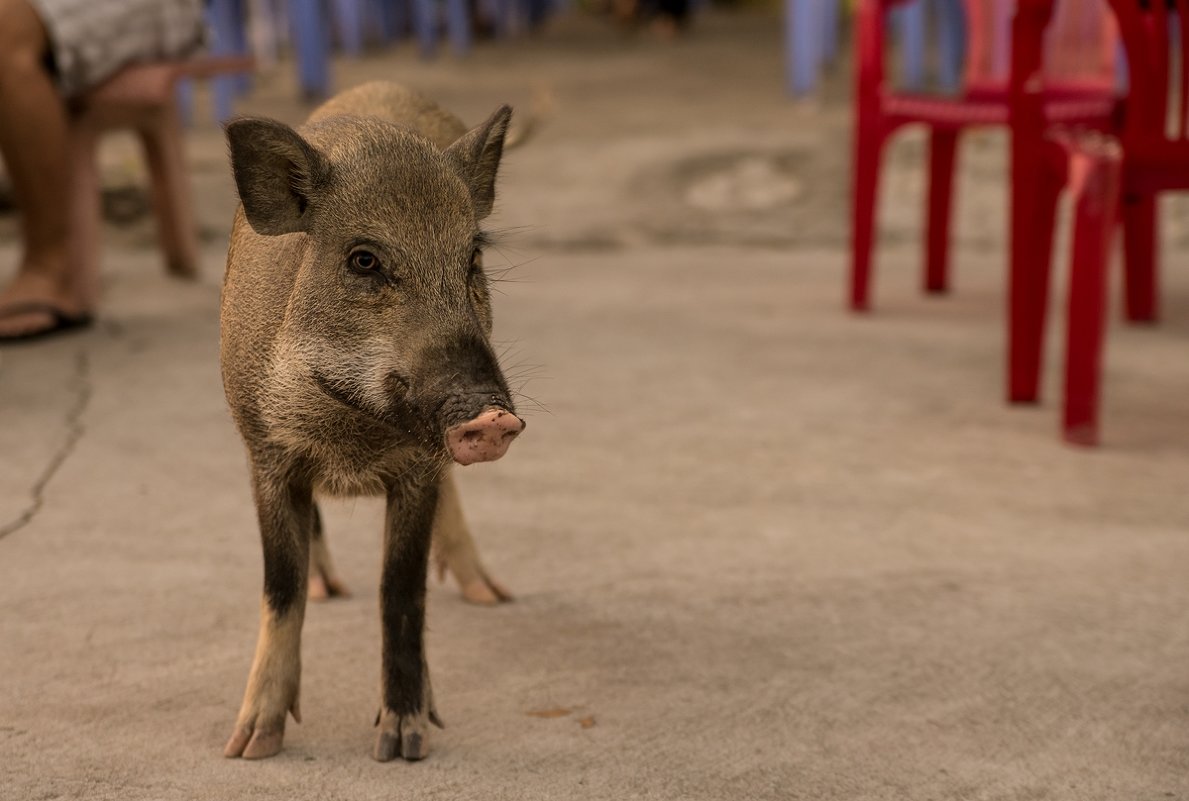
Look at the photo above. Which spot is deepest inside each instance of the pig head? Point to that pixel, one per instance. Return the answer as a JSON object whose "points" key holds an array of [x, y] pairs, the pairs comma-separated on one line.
{"points": [[371, 236]]}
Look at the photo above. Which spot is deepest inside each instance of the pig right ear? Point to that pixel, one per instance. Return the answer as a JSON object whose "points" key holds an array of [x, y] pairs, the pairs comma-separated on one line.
{"points": [[276, 172]]}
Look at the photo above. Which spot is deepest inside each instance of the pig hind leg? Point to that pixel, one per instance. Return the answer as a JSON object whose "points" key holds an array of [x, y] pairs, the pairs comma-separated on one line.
{"points": [[324, 581], [455, 551]]}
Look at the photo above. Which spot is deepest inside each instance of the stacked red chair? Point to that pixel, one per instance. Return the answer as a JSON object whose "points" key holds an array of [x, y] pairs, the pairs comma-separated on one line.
{"points": [[1154, 159], [1076, 85]]}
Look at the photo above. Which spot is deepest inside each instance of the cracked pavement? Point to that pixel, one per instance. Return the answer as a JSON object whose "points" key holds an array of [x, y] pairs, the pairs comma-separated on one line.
{"points": [[79, 388], [762, 549]]}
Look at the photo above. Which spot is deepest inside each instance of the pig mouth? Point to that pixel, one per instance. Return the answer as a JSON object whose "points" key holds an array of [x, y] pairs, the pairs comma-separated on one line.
{"points": [[482, 438], [355, 403]]}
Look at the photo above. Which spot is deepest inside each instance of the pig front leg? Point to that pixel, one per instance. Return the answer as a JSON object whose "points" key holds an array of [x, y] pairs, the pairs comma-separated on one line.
{"points": [[287, 516], [407, 706], [455, 550]]}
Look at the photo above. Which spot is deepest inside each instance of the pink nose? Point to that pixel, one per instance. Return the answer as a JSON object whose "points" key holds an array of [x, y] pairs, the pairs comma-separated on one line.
{"points": [[484, 439]]}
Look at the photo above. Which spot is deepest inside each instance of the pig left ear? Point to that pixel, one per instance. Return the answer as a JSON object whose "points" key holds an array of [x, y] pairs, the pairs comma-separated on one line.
{"points": [[476, 155]]}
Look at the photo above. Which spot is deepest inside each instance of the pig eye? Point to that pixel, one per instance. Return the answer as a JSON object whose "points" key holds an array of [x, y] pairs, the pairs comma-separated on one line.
{"points": [[363, 262], [476, 262]]}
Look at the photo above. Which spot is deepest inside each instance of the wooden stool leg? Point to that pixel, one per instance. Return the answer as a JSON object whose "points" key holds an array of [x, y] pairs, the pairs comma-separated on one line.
{"points": [[162, 140], [85, 213]]}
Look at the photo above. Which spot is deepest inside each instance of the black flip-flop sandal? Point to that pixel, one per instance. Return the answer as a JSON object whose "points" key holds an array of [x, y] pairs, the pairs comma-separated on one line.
{"points": [[62, 322]]}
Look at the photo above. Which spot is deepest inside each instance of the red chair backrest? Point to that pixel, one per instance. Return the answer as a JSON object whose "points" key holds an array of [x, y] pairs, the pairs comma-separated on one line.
{"points": [[1080, 44], [1158, 100]]}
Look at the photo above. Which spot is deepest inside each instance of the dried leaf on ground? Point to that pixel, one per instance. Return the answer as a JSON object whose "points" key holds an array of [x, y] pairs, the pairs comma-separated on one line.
{"points": [[556, 712]]}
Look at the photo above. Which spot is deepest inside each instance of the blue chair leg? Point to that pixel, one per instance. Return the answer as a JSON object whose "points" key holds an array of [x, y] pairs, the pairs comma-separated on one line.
{"points": [[227, 21], [909, 20], [802, 37], [425, 24], [184, 95], [384, 18], [458, 23], [951, 38], [503, 15], [312, 44], [537, 11], [829, 26], [348, 16]]}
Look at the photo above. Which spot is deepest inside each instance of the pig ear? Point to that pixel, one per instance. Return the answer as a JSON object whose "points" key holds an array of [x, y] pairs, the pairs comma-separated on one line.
{"points": [[276, 173], [477, 153]]}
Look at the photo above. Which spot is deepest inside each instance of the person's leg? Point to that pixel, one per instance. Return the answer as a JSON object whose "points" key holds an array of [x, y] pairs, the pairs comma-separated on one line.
{"points": [[34, 145]]}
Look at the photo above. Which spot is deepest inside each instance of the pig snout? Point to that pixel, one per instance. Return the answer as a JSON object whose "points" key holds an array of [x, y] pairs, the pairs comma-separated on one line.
{"points": [[485, 438]]}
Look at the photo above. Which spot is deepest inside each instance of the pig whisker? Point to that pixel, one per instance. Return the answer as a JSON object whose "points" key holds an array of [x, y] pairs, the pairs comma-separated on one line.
{"points": [[522, 380], [500, 276], [496, 235], [510, 265], [533, 403]]}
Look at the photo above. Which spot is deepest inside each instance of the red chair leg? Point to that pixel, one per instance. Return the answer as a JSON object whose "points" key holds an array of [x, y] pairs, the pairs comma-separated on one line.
{"points": [[1034, 211], [943, 146], [1094, 221], [163, 146], [1140, 239], [868, 155]]}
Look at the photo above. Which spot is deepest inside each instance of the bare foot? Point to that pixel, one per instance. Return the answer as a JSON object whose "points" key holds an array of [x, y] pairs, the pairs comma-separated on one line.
{"points": [[29, 287]]}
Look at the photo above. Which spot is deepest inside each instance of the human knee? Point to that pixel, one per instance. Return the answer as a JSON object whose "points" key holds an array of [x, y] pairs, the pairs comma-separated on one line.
{"points": [[23, 38]]}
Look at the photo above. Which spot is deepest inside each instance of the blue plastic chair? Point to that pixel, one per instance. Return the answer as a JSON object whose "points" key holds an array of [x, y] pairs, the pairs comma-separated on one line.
{"points": [[949, 21], [805, 25], [311, 45], [811, 36], [230, 39], [225, 19], [426, 23], [348, 18]]}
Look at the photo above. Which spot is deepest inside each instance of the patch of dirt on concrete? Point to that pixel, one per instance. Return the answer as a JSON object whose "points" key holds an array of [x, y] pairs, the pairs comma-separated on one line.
{"points": [[763, 198]]}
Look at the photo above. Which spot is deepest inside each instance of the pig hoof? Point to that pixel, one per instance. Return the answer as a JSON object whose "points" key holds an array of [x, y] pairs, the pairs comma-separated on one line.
{"points": [[258, 733], [324, 587], [405, 736], [477, 587], [410, 746], [485, 591], [254, 742]]}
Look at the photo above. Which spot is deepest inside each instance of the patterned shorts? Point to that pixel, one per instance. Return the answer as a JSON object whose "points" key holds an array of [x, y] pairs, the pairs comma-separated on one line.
{"points": [[92, 39]]}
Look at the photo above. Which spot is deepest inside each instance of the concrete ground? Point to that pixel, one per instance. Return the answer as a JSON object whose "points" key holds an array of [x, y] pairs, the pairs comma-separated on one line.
{"points": [[762, 549]]}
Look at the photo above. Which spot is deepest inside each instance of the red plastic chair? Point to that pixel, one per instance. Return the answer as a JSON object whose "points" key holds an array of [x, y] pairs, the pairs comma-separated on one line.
{"points": [[1076, 87], [1155, 158], [1057, 91]]}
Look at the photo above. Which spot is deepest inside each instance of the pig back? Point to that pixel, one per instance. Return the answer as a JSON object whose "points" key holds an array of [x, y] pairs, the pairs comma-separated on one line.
{"points": [[397, 104]]}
